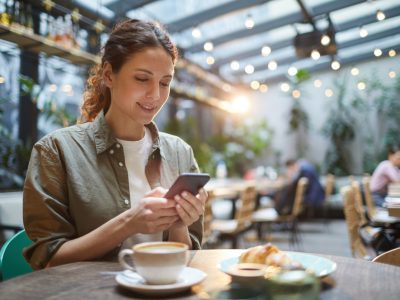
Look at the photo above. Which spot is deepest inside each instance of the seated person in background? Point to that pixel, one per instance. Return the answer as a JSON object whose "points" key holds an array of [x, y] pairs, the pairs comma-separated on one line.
{"points": [[388, 171], [314, 195]]}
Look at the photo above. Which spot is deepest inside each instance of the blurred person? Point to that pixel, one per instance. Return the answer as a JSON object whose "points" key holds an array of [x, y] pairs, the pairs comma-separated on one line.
{"points": [[388, 171], [314, 194], [96, 187]]}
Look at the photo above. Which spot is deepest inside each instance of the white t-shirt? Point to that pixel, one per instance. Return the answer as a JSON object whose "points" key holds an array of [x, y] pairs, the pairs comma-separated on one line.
{"points": [[136, 155]]}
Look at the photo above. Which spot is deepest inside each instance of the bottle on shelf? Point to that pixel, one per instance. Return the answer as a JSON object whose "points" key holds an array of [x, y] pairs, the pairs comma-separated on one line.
{"points": [[5, 15], [29, 18]]}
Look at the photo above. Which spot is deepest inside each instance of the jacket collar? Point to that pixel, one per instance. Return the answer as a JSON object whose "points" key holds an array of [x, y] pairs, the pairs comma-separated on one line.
{"points": [[104, 137]]}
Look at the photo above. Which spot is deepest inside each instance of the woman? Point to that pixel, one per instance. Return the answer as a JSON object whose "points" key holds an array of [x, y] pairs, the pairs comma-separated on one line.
{"points": [[96, 187], [388, 171]]}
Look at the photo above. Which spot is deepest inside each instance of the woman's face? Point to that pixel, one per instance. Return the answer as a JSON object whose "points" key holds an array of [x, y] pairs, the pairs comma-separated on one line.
{"points": [[141, 87], [395, 158]]}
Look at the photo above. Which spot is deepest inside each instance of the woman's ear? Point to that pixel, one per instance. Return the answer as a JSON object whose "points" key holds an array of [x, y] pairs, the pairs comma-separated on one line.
{"points": [[108, 75]]}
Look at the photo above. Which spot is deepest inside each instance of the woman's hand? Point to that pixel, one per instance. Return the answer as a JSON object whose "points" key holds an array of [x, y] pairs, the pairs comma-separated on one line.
{"points": [[154, 213], [189, 207]]}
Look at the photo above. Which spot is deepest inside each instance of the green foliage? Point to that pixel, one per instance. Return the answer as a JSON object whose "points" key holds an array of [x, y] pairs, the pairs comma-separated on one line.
{"points": [[340, 129], [14, 154], [238, 149], [187, 130], [378, 101]]}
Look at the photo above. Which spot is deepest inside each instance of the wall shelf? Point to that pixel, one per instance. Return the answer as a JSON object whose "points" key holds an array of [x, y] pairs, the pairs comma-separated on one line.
{"points": [[36, 43]]}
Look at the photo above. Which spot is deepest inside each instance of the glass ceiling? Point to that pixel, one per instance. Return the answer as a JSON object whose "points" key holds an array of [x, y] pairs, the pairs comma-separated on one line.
{"points": [[276, 23]]}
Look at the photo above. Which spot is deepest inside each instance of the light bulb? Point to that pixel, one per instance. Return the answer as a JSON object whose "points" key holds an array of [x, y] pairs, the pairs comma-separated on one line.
{"points": [[325, 40], [208, 46]]}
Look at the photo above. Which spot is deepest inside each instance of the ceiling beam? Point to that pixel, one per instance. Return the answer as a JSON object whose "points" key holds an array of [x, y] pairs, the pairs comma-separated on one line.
{"points": [[340, 46], [211, 13], [364, 20], [272, 24], [121, 7]]}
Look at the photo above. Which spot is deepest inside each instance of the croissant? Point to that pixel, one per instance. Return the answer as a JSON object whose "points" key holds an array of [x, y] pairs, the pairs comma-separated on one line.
{"points": [[267, 254]]}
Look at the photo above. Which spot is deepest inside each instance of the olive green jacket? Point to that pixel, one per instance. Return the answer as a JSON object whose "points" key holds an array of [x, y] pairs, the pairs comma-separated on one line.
{"points": [[77, 181]]}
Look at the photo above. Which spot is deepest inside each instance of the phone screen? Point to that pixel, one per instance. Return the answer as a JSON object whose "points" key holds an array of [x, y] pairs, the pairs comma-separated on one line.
{"points": [[190, 182]]}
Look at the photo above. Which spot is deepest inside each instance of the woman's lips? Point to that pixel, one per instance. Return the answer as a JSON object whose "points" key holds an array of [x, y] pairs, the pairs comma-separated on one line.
{"points": [[146, 106]]}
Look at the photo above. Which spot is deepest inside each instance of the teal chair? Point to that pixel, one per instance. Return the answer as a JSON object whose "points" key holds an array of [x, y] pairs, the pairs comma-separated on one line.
{"points": [[12, 262]]}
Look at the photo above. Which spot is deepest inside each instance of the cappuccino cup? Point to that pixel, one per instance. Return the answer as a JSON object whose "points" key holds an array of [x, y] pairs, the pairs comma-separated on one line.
{"points": [[156, 262]]}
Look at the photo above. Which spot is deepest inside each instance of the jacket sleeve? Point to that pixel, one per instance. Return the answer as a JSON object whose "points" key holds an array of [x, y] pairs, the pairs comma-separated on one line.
{"points": [[45, 205]]}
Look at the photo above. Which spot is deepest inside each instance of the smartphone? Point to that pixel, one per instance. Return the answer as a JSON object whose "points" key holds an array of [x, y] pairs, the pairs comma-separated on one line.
{"points": [[190, 182]]}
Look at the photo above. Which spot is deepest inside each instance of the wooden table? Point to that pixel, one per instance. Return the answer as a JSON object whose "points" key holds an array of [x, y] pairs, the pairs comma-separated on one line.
{"points": [[231, 187], [353, 279]]}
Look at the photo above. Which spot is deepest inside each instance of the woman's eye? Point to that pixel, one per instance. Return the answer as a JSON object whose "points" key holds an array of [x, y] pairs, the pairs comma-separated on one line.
{"points": [[141, 79], [165, 84]]}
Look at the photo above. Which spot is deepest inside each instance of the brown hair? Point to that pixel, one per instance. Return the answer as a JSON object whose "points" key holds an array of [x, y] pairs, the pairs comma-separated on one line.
{"points": [[126, 39]]}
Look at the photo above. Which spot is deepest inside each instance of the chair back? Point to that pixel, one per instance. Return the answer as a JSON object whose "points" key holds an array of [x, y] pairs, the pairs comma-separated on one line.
{"points": [[208, 217], [391, 257], [244, 213], [299, 197], [358, 202], [12, 261], [329, 185], [353, 221], [371, 208]]}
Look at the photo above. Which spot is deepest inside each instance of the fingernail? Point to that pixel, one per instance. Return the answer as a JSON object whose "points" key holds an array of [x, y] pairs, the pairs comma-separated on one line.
{"points": [[177, 198], [184, 194]]}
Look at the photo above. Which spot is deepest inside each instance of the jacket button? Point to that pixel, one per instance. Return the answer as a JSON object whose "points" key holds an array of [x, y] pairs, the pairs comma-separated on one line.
{"points": [[121, 164]]}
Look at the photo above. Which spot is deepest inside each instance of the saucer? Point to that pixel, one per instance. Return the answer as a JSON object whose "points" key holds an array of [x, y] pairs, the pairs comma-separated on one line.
{"points": [[136, 283]]}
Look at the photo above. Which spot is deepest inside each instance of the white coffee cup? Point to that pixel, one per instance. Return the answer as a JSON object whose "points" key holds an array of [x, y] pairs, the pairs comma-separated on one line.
{"points": [[156, 262]]}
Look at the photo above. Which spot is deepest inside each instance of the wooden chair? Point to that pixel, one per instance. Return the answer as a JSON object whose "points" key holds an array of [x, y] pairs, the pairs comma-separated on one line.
{"points": [[354, 220], [208, 217], [378, 216], [234, 227], [329, 186], [391, 257], [270, 215]]}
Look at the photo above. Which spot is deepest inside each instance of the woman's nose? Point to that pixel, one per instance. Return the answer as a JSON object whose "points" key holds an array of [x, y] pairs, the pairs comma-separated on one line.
{"points": [[153, 92]]}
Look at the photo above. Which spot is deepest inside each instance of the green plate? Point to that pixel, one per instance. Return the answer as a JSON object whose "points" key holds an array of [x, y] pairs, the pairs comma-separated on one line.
{"points": [[321, 266]]}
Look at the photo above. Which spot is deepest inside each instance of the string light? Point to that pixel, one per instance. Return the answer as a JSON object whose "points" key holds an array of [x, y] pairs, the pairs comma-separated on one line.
{"points": [[296, 94], [263, 88], [325, 40], [361, 85], [210, 60], [315, 54], [285, 87], [292, 71], [255, 85], [265, 51], [355, 71], [380, 15], [377, 52], [2, 79], [335, 65], [196, 33], [392, 74], [392, 53], [249, 23], [272, 65], [249, 69], [328, 93], [208, 46], [317, 83], [235, 65], [53, 88], [363, 32]]}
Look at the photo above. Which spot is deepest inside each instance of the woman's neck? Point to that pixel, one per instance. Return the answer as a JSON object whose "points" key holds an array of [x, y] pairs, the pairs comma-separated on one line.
{"points": [[124, 128]]}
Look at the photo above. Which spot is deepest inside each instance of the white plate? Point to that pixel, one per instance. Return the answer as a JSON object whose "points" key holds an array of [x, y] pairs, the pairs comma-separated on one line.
{"points": [[136, 283], [321, 266]]}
